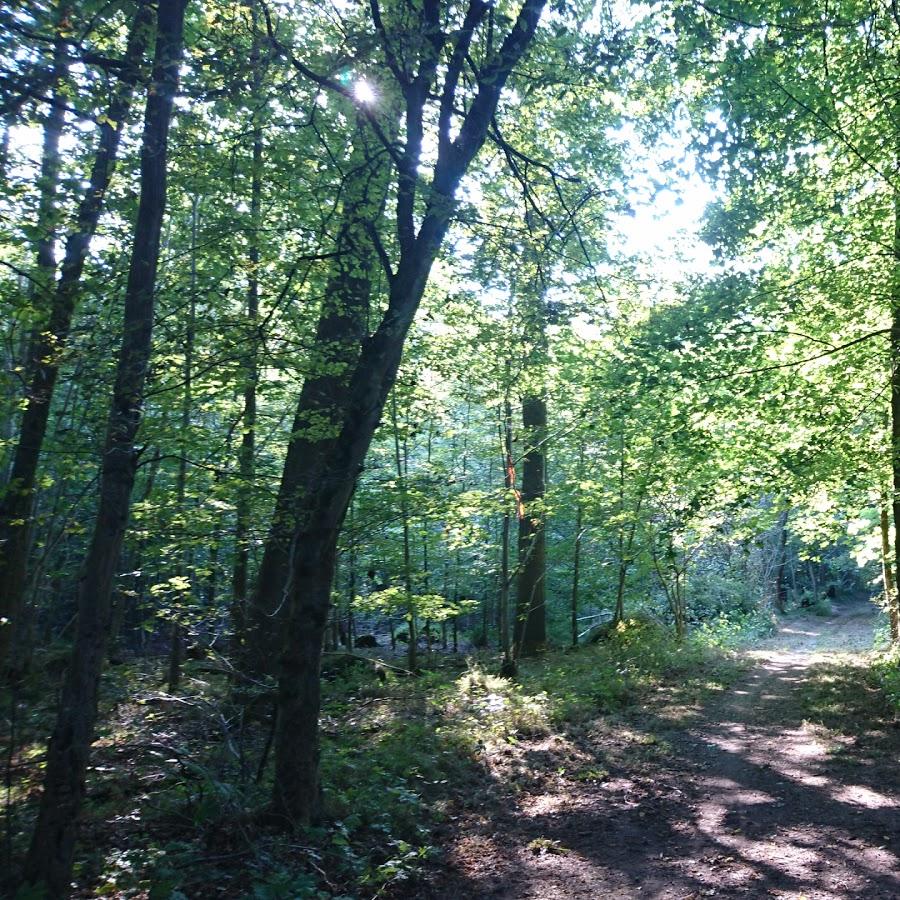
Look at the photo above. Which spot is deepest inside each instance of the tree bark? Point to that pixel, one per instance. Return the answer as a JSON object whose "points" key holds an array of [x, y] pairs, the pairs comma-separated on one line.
{"points": [[17, 503], [339, 335], [401, 462], [576, 572], [895, 396], [50, 856], [531, 607], [45, 352], [322, 476], [624, 546], [183, 569], [509, 483]]}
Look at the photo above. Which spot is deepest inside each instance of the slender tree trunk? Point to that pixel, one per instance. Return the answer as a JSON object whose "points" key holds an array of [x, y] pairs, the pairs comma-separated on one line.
{"points": [[134, 598], [509, 483], [45, 352], [619, 614], [627, 535], [887, 573], [781, 565], [576, 555], [17, 503], [576, 572], [351, 579], [678, 607], [401, 464], [50, 857], [4, 157], [895, 396], [176, 645], [247, 453]]}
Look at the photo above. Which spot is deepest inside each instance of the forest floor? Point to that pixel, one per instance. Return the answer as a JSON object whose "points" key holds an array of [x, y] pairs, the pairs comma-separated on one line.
{"points": [[786, 784]]}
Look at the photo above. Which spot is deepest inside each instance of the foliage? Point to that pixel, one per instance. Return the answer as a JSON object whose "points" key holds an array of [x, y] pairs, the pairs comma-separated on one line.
{"points": [[718, 438], [887, 670]]}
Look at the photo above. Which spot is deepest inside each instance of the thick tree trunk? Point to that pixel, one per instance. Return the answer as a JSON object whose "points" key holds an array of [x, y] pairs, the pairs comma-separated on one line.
{"points": [[50, 856], [531, 611], [44, 355], [340, 333], [321, 470]]}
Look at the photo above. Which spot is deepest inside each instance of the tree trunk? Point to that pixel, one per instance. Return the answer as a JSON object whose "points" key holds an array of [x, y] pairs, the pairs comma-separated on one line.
{"points": [[44, 355], [247, 452], [17, 503], [509, 483], [576, 572], [341, 330], [623, 545], [183, 569], [781, 565], [895, 397], [321, 469], [531, 610], [50, 856], [887, 573], [400, 460]]}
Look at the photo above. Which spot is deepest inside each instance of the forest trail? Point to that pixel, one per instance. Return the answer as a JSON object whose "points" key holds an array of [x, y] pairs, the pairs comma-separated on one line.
{"points": [[784, 785]]}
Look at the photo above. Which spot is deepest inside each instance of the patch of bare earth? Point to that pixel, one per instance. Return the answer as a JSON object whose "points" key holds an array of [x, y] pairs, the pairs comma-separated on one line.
{"points": [[786, 786]]}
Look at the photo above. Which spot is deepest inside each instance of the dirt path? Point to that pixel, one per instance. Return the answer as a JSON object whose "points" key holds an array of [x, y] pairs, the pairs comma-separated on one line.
{"points": [[787, 786]]}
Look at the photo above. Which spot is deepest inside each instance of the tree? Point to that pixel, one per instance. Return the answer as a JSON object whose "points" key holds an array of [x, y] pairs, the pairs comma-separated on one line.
{"points": [[57, 305], [50, 855], [321, 478]]}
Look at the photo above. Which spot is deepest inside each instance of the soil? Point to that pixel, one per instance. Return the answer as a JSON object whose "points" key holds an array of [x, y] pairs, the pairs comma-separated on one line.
{"points": [[784, 785]]}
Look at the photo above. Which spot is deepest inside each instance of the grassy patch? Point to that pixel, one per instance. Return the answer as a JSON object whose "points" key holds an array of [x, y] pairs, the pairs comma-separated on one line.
{"points": [[853, 709], [637, 658]]}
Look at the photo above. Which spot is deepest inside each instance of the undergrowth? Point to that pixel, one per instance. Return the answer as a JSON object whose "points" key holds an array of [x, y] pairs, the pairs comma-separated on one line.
{"points": [[398, 759], [887, 670], [728, 631]]}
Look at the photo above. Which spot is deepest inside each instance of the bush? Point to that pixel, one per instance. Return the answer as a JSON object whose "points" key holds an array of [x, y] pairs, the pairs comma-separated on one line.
{"points": [[887, 670], [731, 630]]}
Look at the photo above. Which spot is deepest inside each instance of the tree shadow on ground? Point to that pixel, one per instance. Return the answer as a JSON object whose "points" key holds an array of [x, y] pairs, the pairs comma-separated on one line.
{"points": [[786, 786]]}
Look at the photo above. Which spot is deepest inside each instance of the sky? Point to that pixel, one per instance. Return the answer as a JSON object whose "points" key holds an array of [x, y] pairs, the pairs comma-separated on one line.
{"points": [[668, 200]]}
